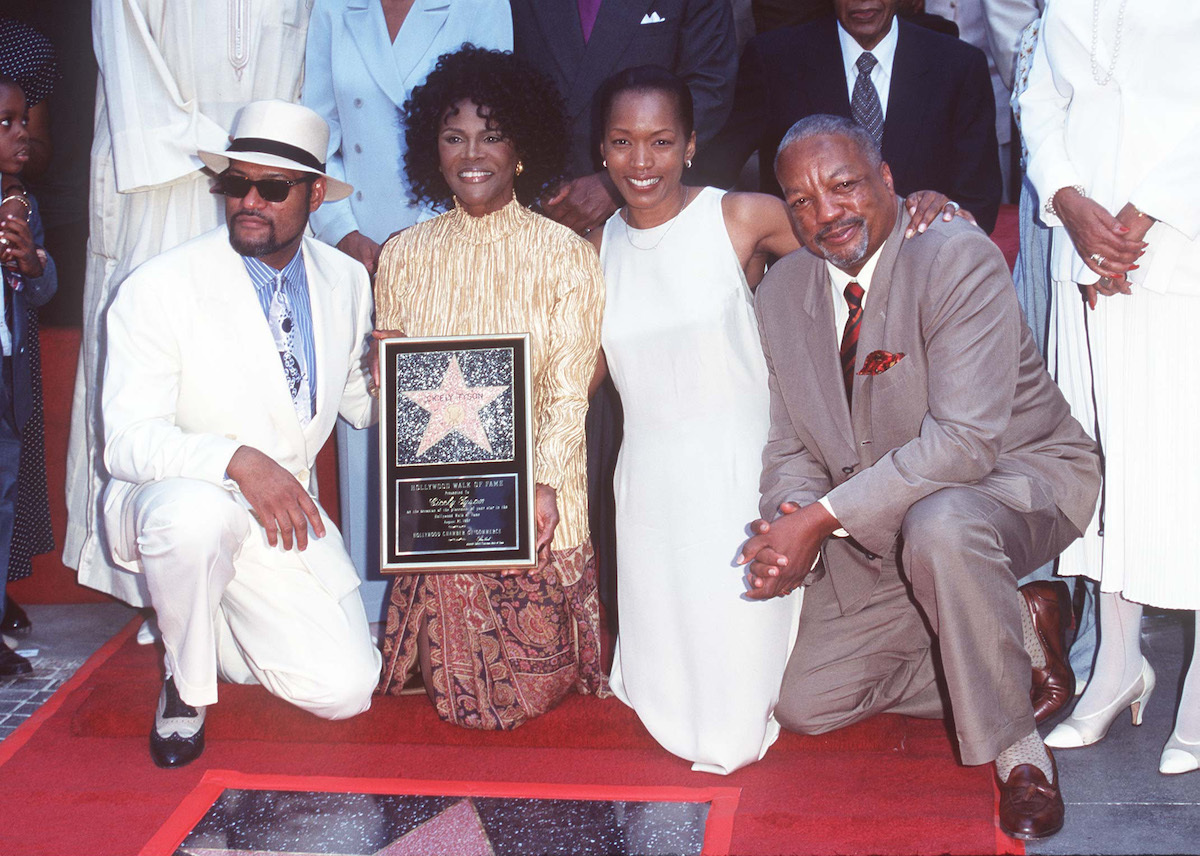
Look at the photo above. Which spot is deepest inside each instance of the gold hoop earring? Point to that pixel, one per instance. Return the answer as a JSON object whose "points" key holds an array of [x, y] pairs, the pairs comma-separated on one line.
{"points": [[520, 168]]}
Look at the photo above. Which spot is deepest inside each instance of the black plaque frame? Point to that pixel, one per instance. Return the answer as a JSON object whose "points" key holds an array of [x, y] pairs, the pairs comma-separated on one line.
{"points": [[425, 496]]}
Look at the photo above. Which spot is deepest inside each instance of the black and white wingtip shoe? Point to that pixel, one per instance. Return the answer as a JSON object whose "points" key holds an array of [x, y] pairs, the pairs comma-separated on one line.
{"points": [[177, 737]]}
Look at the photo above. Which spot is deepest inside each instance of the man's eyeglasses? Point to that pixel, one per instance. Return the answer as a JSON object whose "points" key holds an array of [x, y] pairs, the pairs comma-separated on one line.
{"points": [[270, 189]]}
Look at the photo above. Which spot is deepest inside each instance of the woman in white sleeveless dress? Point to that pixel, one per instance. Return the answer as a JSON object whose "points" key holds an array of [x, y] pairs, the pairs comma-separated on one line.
{"points": [[699, 661]]}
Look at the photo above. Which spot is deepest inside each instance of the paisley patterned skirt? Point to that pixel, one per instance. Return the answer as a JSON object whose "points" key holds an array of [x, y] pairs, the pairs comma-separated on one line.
{"points": [[502, 649]]}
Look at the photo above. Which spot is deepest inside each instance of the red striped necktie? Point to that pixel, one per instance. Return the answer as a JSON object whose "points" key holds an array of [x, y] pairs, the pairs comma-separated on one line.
{"points": [[854, 296]]}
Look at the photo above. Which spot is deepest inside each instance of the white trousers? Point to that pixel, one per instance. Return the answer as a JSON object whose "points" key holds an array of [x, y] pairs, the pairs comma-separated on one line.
{"points": [[229, 604]]}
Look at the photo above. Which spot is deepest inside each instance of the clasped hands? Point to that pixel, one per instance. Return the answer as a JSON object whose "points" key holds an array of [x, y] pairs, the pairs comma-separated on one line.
{"points": [[1109, 246], [782, 552]]}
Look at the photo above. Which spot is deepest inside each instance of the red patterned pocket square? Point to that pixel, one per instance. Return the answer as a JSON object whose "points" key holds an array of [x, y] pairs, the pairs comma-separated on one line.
{"points": [[877, 362]]}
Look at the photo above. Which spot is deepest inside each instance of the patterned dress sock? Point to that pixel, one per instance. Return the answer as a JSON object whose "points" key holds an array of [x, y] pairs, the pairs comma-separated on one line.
{"points": [[1028, 750], [1032, 644]]}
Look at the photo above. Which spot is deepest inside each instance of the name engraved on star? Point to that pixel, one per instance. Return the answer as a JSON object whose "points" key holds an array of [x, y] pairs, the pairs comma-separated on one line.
{"points": [[471, 515]]}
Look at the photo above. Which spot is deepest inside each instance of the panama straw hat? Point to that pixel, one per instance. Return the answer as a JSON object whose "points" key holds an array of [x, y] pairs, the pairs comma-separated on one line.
{"points": [[282, 134]]}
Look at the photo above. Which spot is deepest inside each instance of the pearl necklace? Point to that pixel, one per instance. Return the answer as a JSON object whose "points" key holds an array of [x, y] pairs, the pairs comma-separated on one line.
{"points": [[663, 236], [1103, 76]]}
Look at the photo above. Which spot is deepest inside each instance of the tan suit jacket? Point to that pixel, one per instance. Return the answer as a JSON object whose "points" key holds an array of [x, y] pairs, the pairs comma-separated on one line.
{"points": [[970, 403], [193, 373]]}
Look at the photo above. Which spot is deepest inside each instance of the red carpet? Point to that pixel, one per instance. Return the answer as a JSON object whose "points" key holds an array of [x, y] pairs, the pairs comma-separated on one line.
{"points": [[76, 779]]}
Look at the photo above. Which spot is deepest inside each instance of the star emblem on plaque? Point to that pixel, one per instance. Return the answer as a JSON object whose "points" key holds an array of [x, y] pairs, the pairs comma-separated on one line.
{"points": [[454, 406], [456, 453]]}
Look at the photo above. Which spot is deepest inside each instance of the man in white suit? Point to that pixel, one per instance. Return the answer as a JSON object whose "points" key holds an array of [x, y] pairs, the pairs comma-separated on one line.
{"points": [[229, 358], [172, 75]]}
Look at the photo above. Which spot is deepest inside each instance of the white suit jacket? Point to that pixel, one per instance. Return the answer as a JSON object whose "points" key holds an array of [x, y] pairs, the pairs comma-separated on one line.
{"points": [[1133, 140], [193, 373], [358, 80]]}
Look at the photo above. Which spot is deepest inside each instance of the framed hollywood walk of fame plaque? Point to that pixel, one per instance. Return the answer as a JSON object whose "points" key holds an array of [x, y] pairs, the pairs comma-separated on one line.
{"points": [[456, 454]]}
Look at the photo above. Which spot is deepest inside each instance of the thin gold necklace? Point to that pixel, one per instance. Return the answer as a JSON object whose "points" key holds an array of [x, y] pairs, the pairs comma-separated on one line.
{"points": [[629, 230]]}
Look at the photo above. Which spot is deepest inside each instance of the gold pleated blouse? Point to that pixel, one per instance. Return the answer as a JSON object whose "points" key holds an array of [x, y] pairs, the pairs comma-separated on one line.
{"points": [[513, 271]]}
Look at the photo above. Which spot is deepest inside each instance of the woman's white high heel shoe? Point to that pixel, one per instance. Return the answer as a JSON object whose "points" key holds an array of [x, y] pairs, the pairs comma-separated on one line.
{"points": [[1074, 731], [1179, 756]]}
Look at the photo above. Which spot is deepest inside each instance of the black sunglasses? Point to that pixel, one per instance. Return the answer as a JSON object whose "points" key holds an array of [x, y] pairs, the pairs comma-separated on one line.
{"points": [[270, 189]]}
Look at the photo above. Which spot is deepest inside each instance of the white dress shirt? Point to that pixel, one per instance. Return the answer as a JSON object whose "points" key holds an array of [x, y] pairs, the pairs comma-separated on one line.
{"points": [[838, 280], [881, 74]]}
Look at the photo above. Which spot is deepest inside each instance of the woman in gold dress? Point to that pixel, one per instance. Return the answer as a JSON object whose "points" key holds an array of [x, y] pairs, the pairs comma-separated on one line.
{"points": [[486, 135]]}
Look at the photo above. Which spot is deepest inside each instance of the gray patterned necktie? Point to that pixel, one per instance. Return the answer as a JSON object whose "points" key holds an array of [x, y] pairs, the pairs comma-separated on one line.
{"points": [[864, 104], [294, 369]]}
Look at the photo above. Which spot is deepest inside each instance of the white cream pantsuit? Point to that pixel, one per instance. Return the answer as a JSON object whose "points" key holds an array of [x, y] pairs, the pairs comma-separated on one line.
{"points": [[193, 374], [1124, 367]]}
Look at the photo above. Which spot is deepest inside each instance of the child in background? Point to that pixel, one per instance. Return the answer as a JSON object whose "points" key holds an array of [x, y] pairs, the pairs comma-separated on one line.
{"points": [[29, 279]]}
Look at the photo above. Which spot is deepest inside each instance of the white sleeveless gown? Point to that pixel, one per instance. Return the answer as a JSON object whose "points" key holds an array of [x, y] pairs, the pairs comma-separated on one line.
{"points": [[699, 661]]}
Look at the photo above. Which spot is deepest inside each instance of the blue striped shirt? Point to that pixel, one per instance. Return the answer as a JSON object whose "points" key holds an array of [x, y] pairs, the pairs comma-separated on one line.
{"points": [[295, 286]]}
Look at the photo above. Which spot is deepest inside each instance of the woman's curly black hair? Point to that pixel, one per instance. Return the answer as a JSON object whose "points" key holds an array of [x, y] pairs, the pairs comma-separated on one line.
{"points": [[520, 102]]}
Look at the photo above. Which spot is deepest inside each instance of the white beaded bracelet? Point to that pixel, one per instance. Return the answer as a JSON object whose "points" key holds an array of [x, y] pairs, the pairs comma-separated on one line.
{"points": [[1049, 206]]}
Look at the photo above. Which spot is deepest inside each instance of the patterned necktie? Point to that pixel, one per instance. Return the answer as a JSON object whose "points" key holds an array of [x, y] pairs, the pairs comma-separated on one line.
{"points": [[864, 104], [854, 296], [283, 328]]}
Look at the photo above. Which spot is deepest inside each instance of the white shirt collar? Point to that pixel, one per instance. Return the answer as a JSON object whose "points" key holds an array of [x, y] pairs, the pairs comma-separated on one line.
{"points": [[839, 279], [884, 52]]}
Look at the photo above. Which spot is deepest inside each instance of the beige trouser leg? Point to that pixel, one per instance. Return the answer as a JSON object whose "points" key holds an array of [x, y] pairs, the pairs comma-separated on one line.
{"points": [[229, 604], [963, 553], [846, 668]]}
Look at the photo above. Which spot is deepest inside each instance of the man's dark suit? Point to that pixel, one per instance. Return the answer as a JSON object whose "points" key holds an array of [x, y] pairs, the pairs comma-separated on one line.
{"points": [[940, 128], [695, 39]]}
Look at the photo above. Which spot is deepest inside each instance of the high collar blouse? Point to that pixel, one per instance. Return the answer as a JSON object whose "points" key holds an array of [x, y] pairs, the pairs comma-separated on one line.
{"points": [[512, 271]]}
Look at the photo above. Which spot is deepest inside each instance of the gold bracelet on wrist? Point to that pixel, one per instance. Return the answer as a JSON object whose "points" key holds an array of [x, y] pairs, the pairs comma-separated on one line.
{"points": [[18, 198], [1049, 206]]}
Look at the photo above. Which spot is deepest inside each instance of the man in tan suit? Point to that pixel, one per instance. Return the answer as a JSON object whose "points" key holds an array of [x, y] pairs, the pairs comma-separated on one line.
{"points": [[910, 483]]}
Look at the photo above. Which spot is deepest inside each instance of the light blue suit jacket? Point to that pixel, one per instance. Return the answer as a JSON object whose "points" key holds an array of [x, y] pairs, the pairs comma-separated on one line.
{"points": [[358, 81]]}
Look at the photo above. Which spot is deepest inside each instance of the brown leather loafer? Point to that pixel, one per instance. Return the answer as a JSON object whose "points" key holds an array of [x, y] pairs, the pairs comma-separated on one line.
{"points": [[1030, 807], [1049, 602]]}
